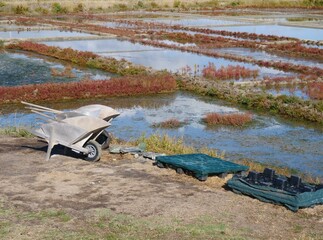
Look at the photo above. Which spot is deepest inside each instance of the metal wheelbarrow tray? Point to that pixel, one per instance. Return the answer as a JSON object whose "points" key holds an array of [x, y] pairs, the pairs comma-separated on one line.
{"points": [[199, 165], [82, 129]]}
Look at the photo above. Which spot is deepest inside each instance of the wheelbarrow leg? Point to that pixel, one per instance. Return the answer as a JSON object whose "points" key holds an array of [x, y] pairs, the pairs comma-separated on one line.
{"points": [[51, 144]]}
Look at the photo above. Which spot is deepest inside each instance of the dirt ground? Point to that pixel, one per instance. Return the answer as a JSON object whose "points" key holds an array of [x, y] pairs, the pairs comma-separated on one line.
{"points": [[131, 187]]}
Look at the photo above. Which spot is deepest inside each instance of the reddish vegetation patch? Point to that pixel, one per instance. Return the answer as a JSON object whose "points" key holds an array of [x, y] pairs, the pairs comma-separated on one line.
{"points": [[82, 58], [297, 49], [123, 86], [315, 90], [78, 57], [233, 119], [294, 48], [229, 72], [170, 123]]}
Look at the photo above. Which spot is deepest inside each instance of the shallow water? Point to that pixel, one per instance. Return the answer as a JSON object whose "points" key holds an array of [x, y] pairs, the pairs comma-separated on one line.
{"points": [[20, 69], [157, 58], [299, 91], [103, 45], [261, 55], [286, 31], [288, 92], [267, 140], [41, 34]]}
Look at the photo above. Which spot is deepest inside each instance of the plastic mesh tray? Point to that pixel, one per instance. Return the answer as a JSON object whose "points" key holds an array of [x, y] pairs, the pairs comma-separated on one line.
{"points": [[305, 195], [199, 165]]}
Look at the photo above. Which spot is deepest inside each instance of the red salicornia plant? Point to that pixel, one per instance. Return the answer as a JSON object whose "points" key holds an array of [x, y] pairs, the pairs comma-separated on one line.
{"points": [[229, 72], [232, 119], [315, 90], [122, 86], [170, 123]]}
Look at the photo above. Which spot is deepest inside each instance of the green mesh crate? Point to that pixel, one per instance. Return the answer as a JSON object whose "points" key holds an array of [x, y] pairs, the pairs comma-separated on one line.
{"points": [[199, 165], [293, 201]]}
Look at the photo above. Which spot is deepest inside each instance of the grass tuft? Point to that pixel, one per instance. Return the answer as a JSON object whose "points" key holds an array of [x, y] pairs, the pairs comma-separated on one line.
{"points": [[15, 132], [48, 214], [232, 119], [168, 145], [170, 123]]}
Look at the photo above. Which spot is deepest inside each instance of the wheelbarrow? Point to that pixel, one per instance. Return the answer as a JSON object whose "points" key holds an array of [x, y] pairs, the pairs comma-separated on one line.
{"points": [[82, 130]]}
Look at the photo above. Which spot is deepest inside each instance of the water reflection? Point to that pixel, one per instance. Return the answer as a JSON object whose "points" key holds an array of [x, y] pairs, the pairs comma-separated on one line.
{"points": [[261, 55], [297, 90], [286, 31], [102, 45], [266, 140], [158, 58], [41, 34], [146, 101]]}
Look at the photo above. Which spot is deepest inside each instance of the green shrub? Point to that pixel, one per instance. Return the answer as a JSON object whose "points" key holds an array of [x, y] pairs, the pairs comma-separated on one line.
{"points": [[176, 4], [120, 7], [2, 4], [235, 3], [211, 3], [140, 4], [41, 10], [1, 44], [154, 5], [79, 8], [57, 8], [313, 3], [20, 9]]}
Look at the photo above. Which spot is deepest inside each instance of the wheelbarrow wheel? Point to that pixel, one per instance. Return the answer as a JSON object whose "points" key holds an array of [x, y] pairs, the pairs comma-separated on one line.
{"points": [[94, 151]]}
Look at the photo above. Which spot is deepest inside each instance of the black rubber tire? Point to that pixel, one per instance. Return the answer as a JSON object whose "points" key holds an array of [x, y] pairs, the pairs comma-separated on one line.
{"points": [[179, 170], [95, 151]]}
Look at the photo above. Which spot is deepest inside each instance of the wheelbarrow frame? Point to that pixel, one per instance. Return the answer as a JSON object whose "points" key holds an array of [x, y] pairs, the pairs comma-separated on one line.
{"points": [[78, 129]]}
